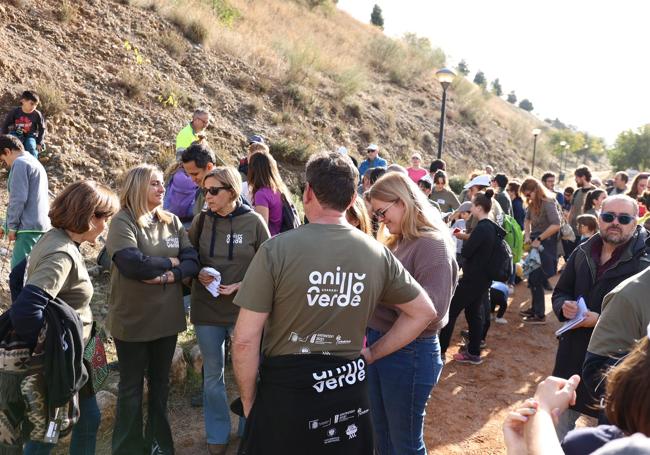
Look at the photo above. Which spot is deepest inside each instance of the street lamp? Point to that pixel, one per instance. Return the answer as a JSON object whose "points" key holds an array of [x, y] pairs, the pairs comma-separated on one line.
{"points": [[536, 132], [445, 77], [562, 145]]}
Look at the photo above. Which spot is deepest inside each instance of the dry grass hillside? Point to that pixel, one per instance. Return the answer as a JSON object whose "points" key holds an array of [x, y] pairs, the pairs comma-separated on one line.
{"points": [[120, 78]]}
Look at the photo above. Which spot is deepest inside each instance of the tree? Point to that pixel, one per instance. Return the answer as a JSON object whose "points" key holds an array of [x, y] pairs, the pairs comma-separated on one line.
{"points": [[512, 98], [479, 79], [526, 105], [496, 87], [463, 68], [631, 149], [376, 17]]}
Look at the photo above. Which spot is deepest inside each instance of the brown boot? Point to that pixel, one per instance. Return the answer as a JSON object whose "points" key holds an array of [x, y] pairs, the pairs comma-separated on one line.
{"points": [[217, 449]]}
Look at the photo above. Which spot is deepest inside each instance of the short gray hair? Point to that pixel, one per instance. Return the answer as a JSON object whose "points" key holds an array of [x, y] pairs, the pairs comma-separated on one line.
{"points": [[200, 111], [624, 198]]}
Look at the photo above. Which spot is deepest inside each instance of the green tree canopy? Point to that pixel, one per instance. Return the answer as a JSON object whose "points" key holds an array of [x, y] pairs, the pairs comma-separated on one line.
{"points": [[526, 105], [512, 98], [479, 79], [632, 149], [376, 17], [496, 87], [463, 68]]}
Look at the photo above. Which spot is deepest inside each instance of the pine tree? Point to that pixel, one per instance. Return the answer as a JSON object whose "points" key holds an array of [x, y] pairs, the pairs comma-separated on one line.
{"points": [[496, 87], [512, 98], [376, 17], [479, 79], [526, 105], [463, 68]]}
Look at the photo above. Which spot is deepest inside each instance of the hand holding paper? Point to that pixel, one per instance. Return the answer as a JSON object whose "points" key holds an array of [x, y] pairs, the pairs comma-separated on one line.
{"points": [[580, 316], [212, 286]]}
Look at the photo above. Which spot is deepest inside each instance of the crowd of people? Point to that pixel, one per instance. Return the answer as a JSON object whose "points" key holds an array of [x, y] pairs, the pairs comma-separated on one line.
{"points": [[338, 321]]}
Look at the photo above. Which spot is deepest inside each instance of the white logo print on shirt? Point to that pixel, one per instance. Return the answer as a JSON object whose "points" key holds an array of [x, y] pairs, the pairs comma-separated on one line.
{"points": [[237, 239], [340, 288], [172, 242]]}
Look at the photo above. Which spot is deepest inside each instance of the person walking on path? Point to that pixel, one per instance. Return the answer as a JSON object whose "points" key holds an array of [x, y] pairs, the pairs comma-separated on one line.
{"points": [[226, 237], [151, 255], [27, 211], [400, 383], [596, 267], [541, 227], [474, 284], [316, 302]]}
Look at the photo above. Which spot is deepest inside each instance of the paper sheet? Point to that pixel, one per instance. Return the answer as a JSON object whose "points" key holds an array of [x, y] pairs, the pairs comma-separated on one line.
{"points": [[580, 316], [213, 287]]}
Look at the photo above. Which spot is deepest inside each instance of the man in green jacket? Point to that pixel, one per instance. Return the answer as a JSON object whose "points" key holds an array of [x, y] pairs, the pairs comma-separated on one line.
{"points": [[193, 131]]}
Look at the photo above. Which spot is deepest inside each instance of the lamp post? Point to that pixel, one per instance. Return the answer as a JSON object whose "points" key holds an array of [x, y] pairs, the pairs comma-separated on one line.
{"points": [[536, 132], [562, 145], [445, 76]]}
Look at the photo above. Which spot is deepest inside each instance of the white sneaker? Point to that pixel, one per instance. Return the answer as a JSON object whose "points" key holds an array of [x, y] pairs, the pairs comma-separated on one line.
{"points": [[501, 321], [511, 289]]}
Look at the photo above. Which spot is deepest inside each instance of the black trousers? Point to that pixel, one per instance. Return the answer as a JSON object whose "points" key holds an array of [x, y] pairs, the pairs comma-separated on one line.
{"points": [[137, 359], [498, 299], [539, 276], [469, 296]]}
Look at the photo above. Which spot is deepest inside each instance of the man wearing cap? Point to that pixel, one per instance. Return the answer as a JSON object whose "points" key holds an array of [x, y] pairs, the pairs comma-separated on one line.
{"points": [[193, 131], [373, 160]]}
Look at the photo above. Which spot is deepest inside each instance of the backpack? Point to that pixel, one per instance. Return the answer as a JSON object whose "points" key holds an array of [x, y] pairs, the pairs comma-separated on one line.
{"points": [[514, 237], [290, 217], [501, 265], [180, 196]]}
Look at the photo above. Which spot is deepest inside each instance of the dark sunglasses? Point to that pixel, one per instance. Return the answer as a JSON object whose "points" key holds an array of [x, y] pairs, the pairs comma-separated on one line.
{"points": [[214, 190], [623, 218]]}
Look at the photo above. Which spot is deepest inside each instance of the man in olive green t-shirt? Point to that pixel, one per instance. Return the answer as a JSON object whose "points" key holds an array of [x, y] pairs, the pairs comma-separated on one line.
{"points": [[313, 289]]}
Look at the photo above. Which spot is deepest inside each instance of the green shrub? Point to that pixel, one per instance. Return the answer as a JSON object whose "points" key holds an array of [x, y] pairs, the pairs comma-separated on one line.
{"points": [[290, 152], [53, 101], [456, 184], [350, 81], [225, 12]]}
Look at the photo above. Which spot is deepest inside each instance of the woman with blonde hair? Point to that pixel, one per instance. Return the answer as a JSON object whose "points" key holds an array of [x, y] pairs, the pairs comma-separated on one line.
{"points": [[267, 189], [400, 383], [541, 226], [56, 269], [151, 254], [227, 235], [357, 216]]}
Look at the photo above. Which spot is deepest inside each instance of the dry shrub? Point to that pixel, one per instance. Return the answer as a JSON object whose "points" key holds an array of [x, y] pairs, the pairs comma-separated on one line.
{"points": [[173, 44], [290, 152], [470, 102], [19, 3], [65, 12], [131, 83], [194, 21], [351, 81], [53, 101]]}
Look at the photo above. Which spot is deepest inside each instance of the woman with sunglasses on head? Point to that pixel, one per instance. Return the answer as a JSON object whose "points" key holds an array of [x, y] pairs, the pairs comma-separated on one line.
{"points": [[227, 236], [400, 384], [476, 280], [151, 255], [541, 227], [267, 189], [56, 268]]}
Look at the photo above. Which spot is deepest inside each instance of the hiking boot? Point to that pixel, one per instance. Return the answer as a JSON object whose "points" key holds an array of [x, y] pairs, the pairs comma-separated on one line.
{"points": [[501, 321], [466, 357], [465, 335], [538, 320]]}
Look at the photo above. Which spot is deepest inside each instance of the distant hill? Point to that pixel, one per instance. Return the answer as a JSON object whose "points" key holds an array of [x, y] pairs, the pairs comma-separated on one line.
{"points": [[120, 78]]}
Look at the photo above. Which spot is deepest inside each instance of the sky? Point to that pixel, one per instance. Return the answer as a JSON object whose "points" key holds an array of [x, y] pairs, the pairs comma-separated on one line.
{"points": [[580, 61]]}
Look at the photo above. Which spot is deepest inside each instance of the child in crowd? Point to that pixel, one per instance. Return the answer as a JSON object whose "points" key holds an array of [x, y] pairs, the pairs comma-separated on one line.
{"points": [[461, 215], [499, 297], [587, 226], [26, 123]]}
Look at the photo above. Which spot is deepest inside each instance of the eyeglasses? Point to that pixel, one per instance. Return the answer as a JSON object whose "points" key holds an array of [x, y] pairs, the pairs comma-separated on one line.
{"points": [[381, 213], [622, 218], [371, 151], [204, 121], [214, 190]]}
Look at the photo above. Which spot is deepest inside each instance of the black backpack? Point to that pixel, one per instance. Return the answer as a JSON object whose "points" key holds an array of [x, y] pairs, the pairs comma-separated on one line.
{"points": [[501, 265], [290, 217]]}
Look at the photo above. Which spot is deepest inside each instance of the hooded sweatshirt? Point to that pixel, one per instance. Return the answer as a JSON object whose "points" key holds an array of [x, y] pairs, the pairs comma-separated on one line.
{"points": [[227, 244]]}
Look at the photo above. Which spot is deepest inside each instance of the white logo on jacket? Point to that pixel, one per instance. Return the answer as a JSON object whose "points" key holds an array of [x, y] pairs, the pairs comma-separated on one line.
{"points": [[335, 288], [172, 242], [237, 239]]}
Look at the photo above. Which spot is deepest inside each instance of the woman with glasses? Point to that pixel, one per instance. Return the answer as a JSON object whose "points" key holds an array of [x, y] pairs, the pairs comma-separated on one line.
{"points": [[267, 189], [56, 268], [400, 384], [541, 227], [227, 236], [151, 255]]}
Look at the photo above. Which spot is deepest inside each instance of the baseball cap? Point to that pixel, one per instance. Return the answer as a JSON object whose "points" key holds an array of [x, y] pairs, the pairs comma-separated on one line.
{"points": [[481, 180], [255, 138], [465, 207], [372, 147], [342, 150]]}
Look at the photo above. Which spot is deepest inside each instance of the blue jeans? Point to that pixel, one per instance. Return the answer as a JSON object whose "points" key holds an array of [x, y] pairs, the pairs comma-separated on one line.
{"points": [[84, 433], [216, 410], [543, 273], [399, 386], [29, 142]]}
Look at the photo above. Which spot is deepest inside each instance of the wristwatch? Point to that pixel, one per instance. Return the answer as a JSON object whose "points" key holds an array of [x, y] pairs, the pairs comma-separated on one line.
{"points": [[539, 238]]}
